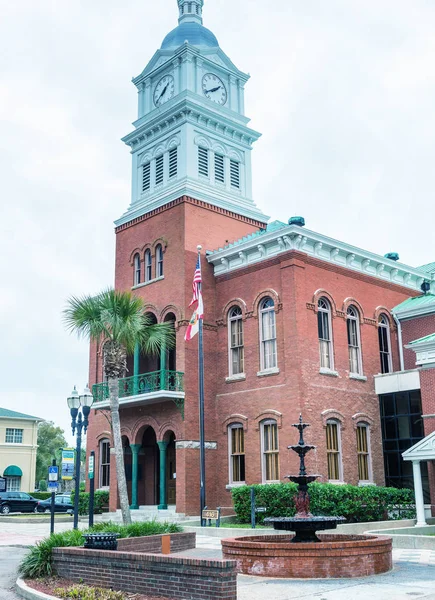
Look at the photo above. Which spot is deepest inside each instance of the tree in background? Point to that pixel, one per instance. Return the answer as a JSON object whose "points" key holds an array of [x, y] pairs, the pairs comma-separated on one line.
{"points": [[51, 440]]}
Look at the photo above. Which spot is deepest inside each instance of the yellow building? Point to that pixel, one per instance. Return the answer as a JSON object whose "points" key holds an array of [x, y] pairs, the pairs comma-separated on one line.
{"points": [[18, 447]]}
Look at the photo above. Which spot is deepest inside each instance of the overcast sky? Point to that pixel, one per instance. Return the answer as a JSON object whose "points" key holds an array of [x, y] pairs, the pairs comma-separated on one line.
{"points": [[342, 90]]}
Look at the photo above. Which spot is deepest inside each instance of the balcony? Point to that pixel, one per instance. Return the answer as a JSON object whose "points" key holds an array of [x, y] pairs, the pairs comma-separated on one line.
{"points": [[143, 390]]}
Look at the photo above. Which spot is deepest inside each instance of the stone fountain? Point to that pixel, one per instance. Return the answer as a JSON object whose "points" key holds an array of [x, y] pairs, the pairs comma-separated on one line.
{"points": [[304, 554], [304, 524]]}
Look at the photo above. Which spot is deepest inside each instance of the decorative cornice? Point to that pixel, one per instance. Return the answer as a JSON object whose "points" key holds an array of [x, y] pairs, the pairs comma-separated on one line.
{"points": [[316, 246], [188, 200]]}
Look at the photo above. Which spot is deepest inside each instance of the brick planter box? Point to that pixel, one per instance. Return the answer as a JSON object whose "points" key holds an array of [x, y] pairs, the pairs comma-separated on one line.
{"points": [[338, 556], [182, 578], [178, 542]]}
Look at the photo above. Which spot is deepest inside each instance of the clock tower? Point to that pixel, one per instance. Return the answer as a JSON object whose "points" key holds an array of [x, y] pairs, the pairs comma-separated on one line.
{"points": [[191, 137]]}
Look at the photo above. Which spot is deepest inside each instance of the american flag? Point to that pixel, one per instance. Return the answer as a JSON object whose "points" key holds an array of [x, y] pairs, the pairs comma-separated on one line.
{"points": [[196, 282]]}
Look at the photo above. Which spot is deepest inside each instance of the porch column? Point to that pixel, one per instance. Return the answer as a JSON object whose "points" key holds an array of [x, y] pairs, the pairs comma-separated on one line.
{"points": [[162, 447], [134, 472], [418, 490], [136, 359], [163, 367]]}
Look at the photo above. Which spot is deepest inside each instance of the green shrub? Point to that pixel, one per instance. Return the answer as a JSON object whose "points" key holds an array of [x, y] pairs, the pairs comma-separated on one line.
{"points": [[40, 495], [356, 504], [101, 498], [38, 562], [43, 485], [85, 592]]}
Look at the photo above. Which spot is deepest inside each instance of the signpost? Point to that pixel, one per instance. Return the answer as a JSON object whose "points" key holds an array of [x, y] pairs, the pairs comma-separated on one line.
{"points": [[68, 464], [53, 476], [91, 487]]}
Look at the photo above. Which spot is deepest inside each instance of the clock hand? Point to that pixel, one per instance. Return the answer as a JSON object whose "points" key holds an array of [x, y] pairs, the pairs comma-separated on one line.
{"points": [[164, 90], [213, 89]]}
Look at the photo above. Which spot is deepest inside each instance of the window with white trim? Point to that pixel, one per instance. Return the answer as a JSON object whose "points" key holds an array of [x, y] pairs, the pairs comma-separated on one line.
{"points": [[333, 450], [137, 269], [268, 357], [236, 451], [104, 470], [146, 177], [325, 335], [159, 170], [219, 168], [203, 161], [384, 344], [13, 484], [148, 265], [173, 162], [14, 436], [353, 340], [235, 174], [363, 450], [236, 350], [159, 261], [270, 451]]}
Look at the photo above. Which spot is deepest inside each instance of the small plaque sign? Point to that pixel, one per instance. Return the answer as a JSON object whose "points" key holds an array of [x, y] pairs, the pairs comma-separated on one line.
{"points": [[210, 514]]}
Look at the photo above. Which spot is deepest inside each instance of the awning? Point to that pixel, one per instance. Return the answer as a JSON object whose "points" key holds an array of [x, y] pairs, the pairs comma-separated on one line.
{"points": [[12, 471]]}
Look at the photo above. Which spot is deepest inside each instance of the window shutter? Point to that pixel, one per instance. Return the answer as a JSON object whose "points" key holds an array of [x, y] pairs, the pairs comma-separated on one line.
{"points": [[173, 162], [203, 161], [146, 177], [219, 168], [159, 170], [235, 174]]}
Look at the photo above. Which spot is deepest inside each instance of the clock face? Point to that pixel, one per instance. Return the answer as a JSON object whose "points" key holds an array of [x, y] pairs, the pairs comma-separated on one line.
{"points": [[164, 90], [214, 89]]}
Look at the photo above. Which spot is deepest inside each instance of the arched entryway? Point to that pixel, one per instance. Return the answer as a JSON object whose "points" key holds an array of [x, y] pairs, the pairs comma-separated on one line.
{"points": [[149, 465]]}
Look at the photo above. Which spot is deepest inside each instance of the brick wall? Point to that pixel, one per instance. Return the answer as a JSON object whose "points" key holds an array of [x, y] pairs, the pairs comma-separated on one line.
{"points": [[183, 578], [179, 542], [414, 329]]}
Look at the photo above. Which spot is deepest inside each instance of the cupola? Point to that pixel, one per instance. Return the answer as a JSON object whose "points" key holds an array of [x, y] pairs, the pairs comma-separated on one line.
{"points": [[190, 11]]}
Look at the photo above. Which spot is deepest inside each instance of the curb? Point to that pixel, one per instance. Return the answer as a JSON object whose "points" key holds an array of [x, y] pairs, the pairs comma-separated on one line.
{"points": [[29, 593]]}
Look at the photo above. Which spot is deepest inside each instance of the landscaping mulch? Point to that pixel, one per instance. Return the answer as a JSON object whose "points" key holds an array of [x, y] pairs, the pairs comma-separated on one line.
{"points": [[47, 586]]}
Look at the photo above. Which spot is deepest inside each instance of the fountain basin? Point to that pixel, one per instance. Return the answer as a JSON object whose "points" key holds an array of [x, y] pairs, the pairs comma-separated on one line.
{"points": [[337, 556], [304, 527]]}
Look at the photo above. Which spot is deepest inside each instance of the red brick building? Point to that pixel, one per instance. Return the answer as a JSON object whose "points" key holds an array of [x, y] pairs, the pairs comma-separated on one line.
{"points": [[294, 321]]}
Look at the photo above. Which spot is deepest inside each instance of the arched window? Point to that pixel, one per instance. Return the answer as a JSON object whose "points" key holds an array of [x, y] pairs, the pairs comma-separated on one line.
{"points": [[363, 450], [236, 349], [104, 464], [333, 450], [236, 453], [268, 358], [384, 344], [137, 277], [159, 261], [148, 265], [270, 451], [353, 340], [325, 334]]}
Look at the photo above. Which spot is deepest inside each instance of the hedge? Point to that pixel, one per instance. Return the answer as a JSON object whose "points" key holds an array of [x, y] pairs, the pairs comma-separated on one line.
{"points": [[101, 498], [40, 495], [356, 504]]}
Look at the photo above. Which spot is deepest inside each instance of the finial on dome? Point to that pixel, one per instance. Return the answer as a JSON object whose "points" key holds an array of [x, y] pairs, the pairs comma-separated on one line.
{"points": [[190, 10]]}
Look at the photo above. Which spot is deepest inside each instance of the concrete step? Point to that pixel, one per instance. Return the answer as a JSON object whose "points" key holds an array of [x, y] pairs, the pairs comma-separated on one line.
{"points": [[147, 513]]}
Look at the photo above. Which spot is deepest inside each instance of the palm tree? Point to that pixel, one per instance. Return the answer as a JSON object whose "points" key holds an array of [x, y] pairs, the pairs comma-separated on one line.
{"points": [[117, 319]]}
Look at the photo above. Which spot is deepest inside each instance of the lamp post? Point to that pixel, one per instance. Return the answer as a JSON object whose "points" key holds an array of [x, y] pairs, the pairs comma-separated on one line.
{"points": [[75, 401]]}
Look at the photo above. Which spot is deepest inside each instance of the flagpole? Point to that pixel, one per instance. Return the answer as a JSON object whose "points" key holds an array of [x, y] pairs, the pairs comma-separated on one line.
{"points": [[201, 410]]}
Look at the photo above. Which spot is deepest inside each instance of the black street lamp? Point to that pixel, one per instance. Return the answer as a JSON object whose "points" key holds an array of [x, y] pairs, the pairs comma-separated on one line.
{"points": [[74, 401]]}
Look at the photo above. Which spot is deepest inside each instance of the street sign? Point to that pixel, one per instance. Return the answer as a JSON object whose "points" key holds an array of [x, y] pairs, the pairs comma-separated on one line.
{"points": [[53, 473], [91, 467], [2, 484], [52, 486], [67, 464]]}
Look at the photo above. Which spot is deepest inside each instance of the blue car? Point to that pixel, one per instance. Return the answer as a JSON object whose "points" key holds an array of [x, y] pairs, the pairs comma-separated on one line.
{"points": [[62, 504]]}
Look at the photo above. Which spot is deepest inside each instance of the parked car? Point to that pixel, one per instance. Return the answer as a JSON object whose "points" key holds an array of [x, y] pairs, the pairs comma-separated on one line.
{"points": [[17, 502], [62, 504]]}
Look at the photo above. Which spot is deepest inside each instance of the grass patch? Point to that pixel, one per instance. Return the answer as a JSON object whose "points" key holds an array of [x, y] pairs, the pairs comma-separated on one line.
{"points": [[38, 562], [242, 526]]}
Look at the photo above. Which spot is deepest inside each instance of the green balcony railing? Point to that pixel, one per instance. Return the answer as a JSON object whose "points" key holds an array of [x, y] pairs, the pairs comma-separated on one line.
{"points": [[170, 381]]}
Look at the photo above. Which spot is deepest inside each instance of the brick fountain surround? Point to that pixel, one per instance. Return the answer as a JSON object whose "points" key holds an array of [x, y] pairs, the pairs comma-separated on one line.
{"points": [[306, 555]]}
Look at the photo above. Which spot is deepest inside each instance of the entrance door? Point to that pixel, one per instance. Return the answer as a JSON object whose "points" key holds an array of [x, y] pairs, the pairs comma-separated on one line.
{"points": [[171, 471]]}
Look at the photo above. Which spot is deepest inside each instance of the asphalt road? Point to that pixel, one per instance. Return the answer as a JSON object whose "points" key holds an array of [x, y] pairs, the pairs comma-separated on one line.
{"points": [[9, 560]]}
